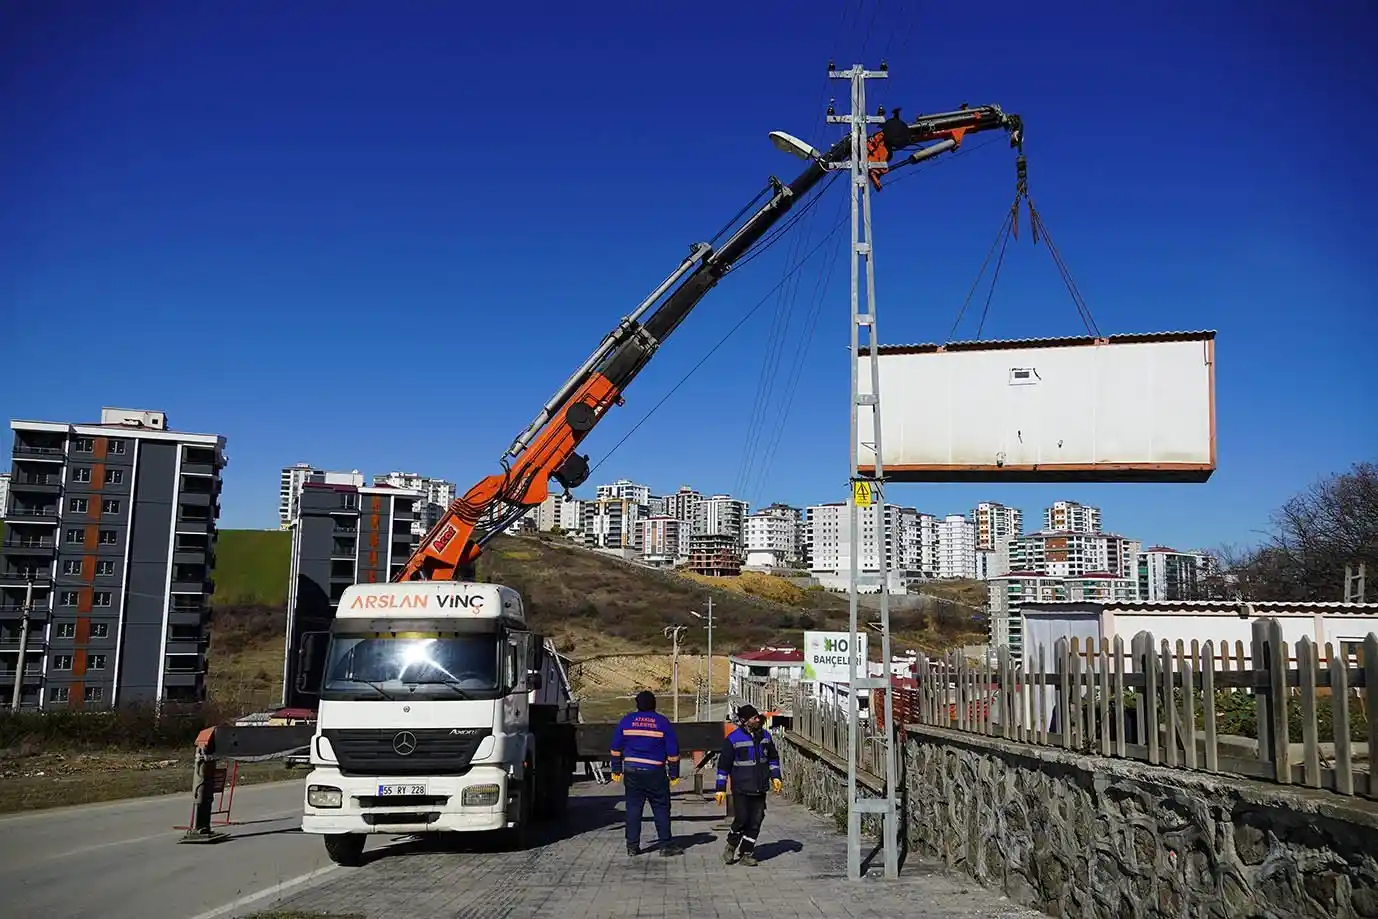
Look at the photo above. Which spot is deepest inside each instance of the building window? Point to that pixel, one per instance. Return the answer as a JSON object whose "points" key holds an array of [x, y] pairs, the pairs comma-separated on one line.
{"points": [[94, 693], [59, 694], [78, 505], [100, 598], [108, 537], [84, 445], [62, 662], [105, 568], [96, 662], [115, 447], [71, 566], [66, 630], [81, 474], [114, 476], [100, 630], [110, 506], [68, 598], [76, 535]]}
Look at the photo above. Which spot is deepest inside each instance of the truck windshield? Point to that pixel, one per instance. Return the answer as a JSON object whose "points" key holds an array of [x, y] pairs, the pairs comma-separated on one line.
{"points": [[396, 666]]}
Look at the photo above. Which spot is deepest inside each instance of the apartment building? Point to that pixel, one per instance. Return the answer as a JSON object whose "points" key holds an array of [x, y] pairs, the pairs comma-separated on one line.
{"points": [[4, 493], [626, 489], [291, 480], [714, 554], [436, 496], [683, 505], [112, 528], [956, 547], [1166, 574], [722, 515], [1006, 592], [662, 540], [1071, 517], [773, 537], [615, 523], [557, 512], [996, 524], [1101, 587], [342, 535]]}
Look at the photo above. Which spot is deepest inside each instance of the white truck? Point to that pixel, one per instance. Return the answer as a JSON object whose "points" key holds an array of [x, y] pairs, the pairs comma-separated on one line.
{"points": [[439, 712]]}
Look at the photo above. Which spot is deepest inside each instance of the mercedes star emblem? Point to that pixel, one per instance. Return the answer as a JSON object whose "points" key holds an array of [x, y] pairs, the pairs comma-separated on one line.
{"points": [[404, 743]]}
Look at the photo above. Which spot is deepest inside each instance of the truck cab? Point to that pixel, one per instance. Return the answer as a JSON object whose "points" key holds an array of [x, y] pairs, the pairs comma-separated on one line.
{"points": [[439, 711]]}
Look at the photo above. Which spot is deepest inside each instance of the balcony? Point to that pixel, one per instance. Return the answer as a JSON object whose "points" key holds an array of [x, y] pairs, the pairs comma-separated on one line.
{"points": [[30, 483], [16, 541], [45, 514], [40, 453]]}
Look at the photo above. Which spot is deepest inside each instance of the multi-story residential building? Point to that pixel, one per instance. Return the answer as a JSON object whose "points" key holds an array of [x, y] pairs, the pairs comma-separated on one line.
{"points": [[4, 493], [112, 527], [772, 537], [342, 535], [615, 523], [986, 560], [714, 554], [1006, 592], [1071, 517], [1101, 587], [294, 477], [928, 545], [557, 512], [1066, 554], [655, 506], [662, 542], [627, 490], [436, 496], [684, 505], [902, 539], [1166, 574], [721, 515], [996, 524], [956, 547]]}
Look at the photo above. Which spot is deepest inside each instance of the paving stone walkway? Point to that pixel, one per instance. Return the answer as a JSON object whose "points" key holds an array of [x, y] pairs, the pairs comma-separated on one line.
{"points": [[580, 870]]}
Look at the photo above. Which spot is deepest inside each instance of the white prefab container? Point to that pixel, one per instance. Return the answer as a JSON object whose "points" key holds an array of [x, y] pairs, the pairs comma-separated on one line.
{"points": [[1123, 408]]}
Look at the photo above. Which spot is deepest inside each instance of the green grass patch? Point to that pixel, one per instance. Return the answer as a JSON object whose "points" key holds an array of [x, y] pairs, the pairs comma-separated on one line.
{"points": [[252, 567]]}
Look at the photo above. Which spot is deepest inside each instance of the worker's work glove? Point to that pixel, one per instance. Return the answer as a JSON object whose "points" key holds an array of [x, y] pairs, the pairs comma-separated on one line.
{"points": [[617, 776], [777, 786], [719, 797], [674, 781]]}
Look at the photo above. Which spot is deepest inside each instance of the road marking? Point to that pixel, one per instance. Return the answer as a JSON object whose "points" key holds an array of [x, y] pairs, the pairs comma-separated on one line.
{"points": [[276, 890], [271, 818], [49, 813]]}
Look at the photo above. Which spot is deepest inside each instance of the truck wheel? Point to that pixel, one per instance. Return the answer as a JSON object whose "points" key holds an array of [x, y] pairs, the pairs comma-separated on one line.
{"points": [[345, 849]]}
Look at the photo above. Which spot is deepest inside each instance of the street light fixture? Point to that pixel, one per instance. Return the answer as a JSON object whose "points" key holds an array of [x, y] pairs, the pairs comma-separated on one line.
{"points": [[788, 143]]}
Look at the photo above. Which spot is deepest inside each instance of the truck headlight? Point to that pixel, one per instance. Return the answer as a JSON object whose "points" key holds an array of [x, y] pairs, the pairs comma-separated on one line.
{"points": [[324, 796], [481, 796]]}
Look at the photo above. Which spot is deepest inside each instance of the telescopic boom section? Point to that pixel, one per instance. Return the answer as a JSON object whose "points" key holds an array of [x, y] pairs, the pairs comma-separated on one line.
{"points": [[547, 449]]}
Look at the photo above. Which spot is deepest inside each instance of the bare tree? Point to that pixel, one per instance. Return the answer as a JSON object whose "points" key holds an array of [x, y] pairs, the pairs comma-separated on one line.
{"points": [[1313, 536]]}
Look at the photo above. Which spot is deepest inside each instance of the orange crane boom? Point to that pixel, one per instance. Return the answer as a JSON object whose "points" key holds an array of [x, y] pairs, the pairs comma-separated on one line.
{"points": [[547, 449]]}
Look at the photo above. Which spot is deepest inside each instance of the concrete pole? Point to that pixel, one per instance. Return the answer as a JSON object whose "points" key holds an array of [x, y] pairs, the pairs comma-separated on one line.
{"points": [[710, 655], [23, 646]]}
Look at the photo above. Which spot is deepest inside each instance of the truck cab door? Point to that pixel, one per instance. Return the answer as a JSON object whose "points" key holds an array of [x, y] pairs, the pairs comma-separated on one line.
{"points": [[517, 677]]}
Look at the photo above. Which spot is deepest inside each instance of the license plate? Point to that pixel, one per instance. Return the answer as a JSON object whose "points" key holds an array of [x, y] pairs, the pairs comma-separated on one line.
{"points": [[385, 791]]}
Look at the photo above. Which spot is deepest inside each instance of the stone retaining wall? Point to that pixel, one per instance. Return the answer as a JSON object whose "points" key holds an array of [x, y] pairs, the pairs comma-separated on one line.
{"points": [[1099, 838]]}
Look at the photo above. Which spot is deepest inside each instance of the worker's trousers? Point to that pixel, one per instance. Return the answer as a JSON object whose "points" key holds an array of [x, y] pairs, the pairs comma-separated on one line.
{"points": [[748, 813], [647, 786]]}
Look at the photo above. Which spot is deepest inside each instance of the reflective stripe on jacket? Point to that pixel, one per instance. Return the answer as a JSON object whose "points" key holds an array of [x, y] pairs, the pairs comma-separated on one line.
{"points": [[750, 761], [645, 740]]}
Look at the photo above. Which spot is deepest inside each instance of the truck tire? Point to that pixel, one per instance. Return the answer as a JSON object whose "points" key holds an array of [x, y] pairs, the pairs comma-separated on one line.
{"points": [[346, 849]]}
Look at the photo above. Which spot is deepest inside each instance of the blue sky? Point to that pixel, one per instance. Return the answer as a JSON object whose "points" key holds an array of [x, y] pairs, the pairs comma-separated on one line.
{"points": [[377, 236]]}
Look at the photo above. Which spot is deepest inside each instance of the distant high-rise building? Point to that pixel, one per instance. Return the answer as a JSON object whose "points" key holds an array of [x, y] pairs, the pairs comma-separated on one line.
{"points": [[114, 523], [772, 536], [996, 524], [4, 494], [721, 515], [662, 540], [683, 505], [615, 524], [625, 489], [1071, 517], [1166, 574], [956, 547], [436, 496], [343, 534], [558, 512], [293, 478]]}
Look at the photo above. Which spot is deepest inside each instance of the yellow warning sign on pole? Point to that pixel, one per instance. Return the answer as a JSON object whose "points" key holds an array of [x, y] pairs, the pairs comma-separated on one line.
{"points": [[861, 493]]}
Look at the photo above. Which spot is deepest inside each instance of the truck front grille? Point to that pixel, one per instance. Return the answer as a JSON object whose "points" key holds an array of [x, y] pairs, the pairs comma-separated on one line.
{"points": [[389, 751]]}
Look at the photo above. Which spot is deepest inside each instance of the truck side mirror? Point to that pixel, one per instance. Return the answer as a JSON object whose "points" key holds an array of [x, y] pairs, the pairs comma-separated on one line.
{"points": [[311, 662]]}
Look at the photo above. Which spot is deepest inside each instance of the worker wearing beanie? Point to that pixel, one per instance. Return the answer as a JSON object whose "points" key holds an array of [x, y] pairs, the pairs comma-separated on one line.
{"points": [[645, 759], [749, 757]]}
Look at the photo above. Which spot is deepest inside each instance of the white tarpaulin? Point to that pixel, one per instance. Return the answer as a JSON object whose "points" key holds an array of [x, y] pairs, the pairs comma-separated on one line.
{"points": [[825, 656]]}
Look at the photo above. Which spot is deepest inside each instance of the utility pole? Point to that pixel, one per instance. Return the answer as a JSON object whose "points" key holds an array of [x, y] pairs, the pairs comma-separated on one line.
{"points": [[23, 645], [709, 671], [866, 493], [673, 632]]}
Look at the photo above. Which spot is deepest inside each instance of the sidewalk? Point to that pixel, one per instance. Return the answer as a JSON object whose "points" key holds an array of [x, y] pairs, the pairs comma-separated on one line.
{"points": [[580, 870]]}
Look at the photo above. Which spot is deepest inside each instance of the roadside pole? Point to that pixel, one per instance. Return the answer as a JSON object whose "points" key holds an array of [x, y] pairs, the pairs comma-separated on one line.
{"points": [[23, 645]]}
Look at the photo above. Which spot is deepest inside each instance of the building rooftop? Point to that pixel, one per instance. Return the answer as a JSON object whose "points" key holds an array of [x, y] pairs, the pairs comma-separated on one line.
{"points": [[771, 656], [1066, 342]]}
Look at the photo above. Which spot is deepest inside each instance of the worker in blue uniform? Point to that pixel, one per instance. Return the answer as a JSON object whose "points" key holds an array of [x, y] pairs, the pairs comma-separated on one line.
{"points": [[750, 759], [645, 759]]}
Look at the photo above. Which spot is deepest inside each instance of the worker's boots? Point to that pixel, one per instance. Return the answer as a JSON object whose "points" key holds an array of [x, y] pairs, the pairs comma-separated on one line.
{"points": [[748, 859], [729, 854]]}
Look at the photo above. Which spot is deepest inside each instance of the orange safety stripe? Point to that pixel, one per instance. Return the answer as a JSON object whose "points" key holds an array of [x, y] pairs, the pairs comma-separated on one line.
{"points": [[615, 752], [649, 762], [674, 759], [637, 732]]}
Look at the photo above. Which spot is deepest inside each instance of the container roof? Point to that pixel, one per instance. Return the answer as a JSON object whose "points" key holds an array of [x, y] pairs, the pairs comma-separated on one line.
{"points": [[1066, 342]]}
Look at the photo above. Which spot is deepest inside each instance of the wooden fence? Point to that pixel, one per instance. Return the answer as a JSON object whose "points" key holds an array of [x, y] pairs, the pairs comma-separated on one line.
{"points": [[1171, 704], [823, 722]]}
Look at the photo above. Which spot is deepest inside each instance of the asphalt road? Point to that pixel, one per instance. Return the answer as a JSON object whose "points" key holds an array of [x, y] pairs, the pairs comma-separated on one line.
{"points": [[121, 860]]}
